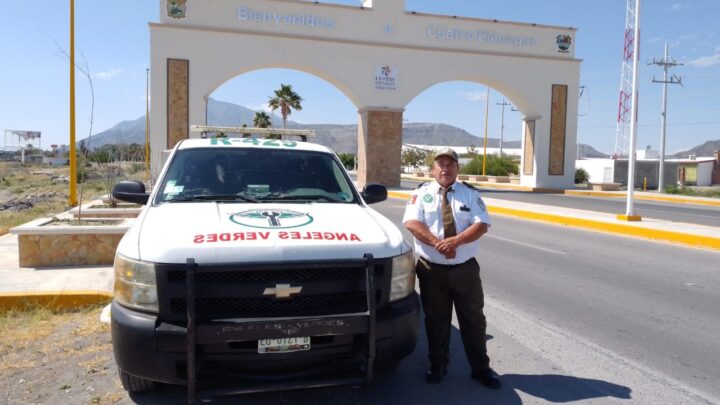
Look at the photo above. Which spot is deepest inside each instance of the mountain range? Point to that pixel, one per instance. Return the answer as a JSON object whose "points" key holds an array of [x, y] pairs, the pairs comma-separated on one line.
{"points": [[342, 138]]}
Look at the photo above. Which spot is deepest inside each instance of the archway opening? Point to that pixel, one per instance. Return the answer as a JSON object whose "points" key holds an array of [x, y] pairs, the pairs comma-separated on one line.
{"points": [[324, 108], [461, 124]]}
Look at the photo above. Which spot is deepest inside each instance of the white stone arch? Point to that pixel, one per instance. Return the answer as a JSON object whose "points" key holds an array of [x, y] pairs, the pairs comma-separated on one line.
{"points": [[214, 40]]}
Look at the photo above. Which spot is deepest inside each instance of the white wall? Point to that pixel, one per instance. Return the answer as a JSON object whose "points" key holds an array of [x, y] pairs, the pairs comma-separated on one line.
{"points": [[597, 169], [704, 173]]}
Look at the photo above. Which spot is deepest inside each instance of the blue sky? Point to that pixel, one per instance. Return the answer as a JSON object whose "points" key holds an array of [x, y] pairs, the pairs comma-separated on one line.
{"points": [[113, 39]]}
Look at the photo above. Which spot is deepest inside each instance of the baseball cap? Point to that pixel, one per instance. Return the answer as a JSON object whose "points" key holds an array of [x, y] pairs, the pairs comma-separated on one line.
{"points": [[449, 152]]}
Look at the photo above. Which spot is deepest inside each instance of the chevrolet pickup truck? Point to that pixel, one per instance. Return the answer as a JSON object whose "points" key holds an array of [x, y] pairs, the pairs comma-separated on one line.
{"points": [[256, 264]]}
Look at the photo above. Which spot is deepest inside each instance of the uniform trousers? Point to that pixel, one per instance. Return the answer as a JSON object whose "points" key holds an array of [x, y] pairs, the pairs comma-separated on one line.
{"points": [[441, 286]]}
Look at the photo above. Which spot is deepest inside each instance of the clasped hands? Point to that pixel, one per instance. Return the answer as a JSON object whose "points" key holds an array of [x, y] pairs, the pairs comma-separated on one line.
{"points": [[447, 247]]}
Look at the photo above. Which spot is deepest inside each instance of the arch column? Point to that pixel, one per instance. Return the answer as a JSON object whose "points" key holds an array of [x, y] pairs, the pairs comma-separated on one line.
{"points": [[379, 145]]}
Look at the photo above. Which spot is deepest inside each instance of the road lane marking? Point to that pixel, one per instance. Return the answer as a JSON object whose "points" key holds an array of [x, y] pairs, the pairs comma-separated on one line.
{"points": [[527, 245]]}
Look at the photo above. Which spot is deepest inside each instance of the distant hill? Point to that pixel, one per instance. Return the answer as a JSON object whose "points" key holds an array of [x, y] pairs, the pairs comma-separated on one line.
{"points": [[340, 138], [587, 151], [705, 150], [127, 132], [343, 138]]}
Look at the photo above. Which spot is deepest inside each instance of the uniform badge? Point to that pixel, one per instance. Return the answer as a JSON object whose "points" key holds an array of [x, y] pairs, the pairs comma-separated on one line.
{"points": [[428, 198], [412, 200], [481, 204]]}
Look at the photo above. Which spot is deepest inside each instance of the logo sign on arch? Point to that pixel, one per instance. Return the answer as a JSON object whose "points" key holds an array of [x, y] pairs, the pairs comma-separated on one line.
{"points": [[386, 77]]}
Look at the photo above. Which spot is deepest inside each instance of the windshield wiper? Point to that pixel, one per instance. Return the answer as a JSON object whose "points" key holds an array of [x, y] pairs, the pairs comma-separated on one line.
{"points": [[301, 197], [216, 197]]}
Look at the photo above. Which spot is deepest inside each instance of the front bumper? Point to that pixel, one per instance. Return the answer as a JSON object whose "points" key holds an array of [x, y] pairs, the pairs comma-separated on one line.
{"points": [[154, 350]]}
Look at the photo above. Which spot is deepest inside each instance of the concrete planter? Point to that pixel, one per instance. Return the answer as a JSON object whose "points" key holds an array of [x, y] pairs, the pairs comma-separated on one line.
{"points": [[44, 242], [419, 174], [499, 179], [479, 178], [463, 177], [97, 210], [605, 186]]}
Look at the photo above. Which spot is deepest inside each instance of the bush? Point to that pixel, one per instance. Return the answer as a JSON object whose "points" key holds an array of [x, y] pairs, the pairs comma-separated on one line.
{"points": [[581, 176], [494, 165], [348, 160]]}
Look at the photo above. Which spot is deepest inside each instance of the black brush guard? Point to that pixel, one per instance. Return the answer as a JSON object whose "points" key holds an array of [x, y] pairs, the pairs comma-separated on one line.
{"points": [[204, 334]]}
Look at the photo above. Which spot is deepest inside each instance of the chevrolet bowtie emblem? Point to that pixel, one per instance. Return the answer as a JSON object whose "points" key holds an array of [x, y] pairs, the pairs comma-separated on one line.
{"points": [[282, 291]]}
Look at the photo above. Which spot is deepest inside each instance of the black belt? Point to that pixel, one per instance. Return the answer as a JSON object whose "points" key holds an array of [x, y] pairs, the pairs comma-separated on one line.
{"points": [[445, 266]]}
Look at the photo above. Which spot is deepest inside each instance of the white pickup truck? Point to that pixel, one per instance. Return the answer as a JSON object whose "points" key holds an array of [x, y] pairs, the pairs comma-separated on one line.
{"points": [[256, 264]]}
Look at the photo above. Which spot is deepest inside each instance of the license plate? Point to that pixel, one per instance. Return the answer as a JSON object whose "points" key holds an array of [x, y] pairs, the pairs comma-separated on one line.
{"points": [[284, 345]]}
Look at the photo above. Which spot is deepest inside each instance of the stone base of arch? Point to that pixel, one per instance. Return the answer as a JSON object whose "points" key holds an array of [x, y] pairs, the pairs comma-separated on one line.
{"points": [[379, 146]]}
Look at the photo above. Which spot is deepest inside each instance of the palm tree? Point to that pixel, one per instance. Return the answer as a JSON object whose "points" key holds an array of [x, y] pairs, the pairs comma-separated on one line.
{"points": [[286, 100], [262, 120]]}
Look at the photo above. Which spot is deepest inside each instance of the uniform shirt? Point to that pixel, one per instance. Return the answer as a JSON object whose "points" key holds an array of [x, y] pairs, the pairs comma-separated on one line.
{"points": [[425, 205]]}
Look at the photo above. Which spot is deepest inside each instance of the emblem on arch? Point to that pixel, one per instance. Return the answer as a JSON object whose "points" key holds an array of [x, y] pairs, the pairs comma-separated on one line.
{"points": [[176, 8], [563, 42]]}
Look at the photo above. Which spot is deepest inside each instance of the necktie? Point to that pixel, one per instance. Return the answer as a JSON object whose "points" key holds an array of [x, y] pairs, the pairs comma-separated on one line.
{"points": [[448, 220]]}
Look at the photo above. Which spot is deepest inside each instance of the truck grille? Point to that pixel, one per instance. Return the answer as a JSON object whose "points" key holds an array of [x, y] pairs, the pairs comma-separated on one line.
{"points": [[314, 305], [236, 291]]}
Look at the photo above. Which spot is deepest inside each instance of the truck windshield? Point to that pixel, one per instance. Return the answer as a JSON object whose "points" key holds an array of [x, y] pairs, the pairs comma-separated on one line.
{"points": [[255, 175]]}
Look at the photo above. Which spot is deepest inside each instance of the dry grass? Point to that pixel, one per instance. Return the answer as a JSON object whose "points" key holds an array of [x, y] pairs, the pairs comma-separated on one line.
{"points": [[18, 181], [21, 328]]}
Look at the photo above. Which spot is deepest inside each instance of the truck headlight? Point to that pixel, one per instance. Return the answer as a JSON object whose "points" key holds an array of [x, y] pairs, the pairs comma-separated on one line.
{"points": [[135, 284], [403, 276]]}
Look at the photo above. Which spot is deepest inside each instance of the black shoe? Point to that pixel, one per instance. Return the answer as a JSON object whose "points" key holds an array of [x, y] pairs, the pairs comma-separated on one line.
{"points": [[436, 374], [487, 377]]}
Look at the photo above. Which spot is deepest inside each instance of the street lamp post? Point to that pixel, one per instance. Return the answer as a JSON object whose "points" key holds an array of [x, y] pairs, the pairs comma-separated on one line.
{"points": [[72, 196], [629, 209], [147, 125]]}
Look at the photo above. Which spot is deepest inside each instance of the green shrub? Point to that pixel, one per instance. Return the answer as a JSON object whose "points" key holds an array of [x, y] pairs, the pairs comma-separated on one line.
{"points": [[495, 165], [581, 176], [348, 160]]}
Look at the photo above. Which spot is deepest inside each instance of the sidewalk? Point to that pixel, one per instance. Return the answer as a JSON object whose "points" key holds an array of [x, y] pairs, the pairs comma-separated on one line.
{"points": [[58, 287], [72, 286]]}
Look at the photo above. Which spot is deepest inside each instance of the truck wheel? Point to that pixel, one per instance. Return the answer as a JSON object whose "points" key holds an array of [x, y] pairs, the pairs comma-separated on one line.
{"points": [[135, 384]]}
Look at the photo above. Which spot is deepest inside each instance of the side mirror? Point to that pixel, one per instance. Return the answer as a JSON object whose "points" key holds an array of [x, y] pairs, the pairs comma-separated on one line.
{"points": [[131, 191], [374, 193]]}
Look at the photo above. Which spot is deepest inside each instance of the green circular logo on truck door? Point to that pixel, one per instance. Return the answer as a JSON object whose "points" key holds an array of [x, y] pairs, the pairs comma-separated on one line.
{"points": [[271, 218]]}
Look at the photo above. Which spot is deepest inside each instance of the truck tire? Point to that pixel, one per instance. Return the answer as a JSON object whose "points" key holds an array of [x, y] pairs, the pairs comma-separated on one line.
{"points": [[135, 384]]}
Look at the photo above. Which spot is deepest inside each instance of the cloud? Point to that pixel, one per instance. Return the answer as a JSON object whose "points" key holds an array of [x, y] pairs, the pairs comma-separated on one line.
{"points": [[679, 7], [262, 107], [473, 95], [110, 74], [706, 61]]}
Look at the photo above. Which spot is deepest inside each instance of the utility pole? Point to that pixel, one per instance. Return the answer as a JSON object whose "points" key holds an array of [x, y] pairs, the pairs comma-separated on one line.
{"points": [[487, 107], [666, 63], [502, 123]]}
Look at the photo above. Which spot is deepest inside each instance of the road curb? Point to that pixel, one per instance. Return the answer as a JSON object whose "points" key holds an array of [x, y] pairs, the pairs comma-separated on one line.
{"points": [[629, 230], [52, 299], [679, 200], [699, 241]]}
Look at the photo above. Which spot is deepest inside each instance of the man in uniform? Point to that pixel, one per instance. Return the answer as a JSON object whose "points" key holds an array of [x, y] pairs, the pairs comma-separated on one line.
{"points": [[447, 219]]}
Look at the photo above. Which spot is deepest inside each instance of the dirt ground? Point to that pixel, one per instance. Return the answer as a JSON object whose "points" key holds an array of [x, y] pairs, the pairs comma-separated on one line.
{"points": [[57, 358], [50, 357]]}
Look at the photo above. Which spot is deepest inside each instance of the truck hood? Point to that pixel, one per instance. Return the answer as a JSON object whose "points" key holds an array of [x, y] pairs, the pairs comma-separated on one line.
{"points": [[213, 232]]}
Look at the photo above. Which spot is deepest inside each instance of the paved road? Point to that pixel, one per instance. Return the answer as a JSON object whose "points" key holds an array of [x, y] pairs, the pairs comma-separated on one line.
{"points": [[692, 214], [652, 303], [574, 316]]}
